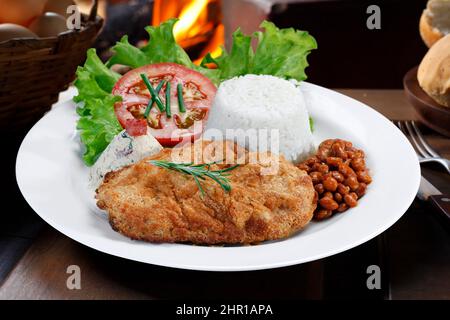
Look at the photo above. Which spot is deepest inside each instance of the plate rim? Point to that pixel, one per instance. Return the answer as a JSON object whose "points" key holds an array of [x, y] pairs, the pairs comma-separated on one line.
{"points": [[352, 244]]}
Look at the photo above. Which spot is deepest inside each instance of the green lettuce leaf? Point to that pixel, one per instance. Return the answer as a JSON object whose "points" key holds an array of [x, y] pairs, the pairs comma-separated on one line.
{"points": [[282, 52], [99, 127], [239, 61], [279, 52], [98, 123], [161, 47]]}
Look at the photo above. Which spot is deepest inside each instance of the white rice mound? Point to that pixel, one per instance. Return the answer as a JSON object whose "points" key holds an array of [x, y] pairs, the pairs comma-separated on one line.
{"points": [[263, 102]]}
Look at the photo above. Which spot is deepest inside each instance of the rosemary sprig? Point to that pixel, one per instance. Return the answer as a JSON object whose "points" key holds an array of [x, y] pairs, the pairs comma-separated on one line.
{"points": [[199, 172], [154, 95], [152, 101]]}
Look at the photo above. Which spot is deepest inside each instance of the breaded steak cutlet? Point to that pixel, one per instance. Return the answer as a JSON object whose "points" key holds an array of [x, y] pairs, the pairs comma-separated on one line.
{"points": [[149, 203]]}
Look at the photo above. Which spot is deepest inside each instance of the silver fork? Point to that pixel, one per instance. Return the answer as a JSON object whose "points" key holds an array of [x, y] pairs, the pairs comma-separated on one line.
{"points": [[424, 151]]}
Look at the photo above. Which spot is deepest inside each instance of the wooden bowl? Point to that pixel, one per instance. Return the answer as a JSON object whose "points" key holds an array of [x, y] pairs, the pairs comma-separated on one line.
{"points": [[431, 113]]}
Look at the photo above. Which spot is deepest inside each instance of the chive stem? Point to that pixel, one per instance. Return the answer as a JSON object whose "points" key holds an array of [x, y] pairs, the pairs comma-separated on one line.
{"points": [[180, 98], [154, 95], [152, 102], [159, 87], [168, 111]]}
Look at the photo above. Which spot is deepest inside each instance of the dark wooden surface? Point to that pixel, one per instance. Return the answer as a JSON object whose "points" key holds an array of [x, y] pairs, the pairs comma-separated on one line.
{"points": [[414, 255]]}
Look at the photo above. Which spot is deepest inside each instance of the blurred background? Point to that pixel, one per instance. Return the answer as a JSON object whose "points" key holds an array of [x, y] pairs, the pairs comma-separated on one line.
{"points": [[349, 54]]}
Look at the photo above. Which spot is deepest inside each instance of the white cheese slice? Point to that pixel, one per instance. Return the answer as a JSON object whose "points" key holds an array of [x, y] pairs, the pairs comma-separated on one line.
{"points": [[122, 151]]}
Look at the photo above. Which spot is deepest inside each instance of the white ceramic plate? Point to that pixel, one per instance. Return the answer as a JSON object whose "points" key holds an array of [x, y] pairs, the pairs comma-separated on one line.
{"points": [[53, 180]]}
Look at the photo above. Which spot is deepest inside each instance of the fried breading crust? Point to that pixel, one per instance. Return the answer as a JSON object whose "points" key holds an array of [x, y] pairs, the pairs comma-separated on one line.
{"points": [[149, 203]]}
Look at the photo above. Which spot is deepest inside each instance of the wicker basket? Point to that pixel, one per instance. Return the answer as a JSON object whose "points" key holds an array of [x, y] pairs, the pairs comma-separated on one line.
{"points": [[34, 71]]}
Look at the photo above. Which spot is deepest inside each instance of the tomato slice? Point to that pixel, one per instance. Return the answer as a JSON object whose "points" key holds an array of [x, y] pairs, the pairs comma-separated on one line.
{"points": [[198, 94]]}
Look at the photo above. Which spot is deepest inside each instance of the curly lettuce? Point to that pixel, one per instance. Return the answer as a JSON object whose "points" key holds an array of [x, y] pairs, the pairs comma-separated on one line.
{"points": [[98, 123], [161, 47], [279, 52]]}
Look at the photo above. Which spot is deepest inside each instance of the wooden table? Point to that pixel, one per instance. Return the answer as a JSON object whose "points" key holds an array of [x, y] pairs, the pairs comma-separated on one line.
{"points": [[414, 256]]}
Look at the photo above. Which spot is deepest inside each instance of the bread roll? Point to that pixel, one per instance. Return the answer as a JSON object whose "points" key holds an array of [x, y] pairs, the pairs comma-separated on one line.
{"points": [[435, 21], [434, 72]]}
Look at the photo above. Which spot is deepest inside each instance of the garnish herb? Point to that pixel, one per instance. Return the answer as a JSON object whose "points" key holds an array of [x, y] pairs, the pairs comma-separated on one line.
{"points": [[152, 92], [311, 124], [199, 172], [278, 52], [180, 97], [150, 104], [168, 111]]}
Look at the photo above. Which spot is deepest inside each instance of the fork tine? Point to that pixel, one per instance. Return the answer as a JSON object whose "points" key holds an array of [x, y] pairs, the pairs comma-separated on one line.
{"points": [[424, 142], [400, 124], [416, 143]]}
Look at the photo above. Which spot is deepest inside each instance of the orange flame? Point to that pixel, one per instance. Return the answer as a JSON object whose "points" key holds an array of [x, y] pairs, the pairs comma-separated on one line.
{"points": [[188, 17], [214, 47], [196, 25]]}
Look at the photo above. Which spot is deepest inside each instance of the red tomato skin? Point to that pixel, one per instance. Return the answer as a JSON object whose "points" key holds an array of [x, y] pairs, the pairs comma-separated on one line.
{"points": [[133, 76], [169, 142], [136, 127]]}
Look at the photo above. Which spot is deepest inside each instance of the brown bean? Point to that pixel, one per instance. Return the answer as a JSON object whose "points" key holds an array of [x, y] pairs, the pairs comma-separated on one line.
{"points": [[326, 144], [359, 154], [363, 176], [316, 177], [334, 161], [328, 203], [330, 184], [346, 170], [323, 168], [328, 194], [326, 176], [350, 155], [337, 176], [322, 214], [319, 188], [358, 164], [352, 182], [350, 201], [322, 154], [342, 189], [311, 161], [338, 150], [361, 189], [303, 166], [342, 207]]}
